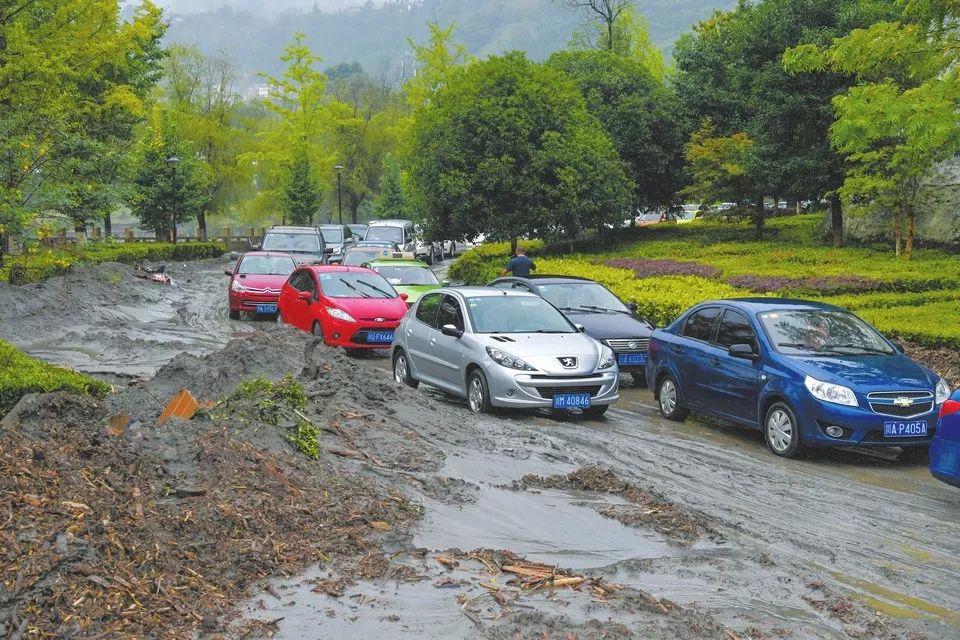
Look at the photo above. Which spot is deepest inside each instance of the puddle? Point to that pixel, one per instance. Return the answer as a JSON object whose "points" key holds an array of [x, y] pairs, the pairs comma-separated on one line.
{"points": [[894, 603]]}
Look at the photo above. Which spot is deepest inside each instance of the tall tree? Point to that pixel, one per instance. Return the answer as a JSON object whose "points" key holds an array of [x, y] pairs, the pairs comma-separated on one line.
{"points": [[605, 12], [631, 39], [507, 148], [391, 199]]}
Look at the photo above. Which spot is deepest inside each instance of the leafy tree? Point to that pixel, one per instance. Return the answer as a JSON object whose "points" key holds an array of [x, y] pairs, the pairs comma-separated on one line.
{"points": [[605, 13], [435, 62], [301, 194], [902, 117], [631, 39], [507, 148], [641, 115], [718, 166], [391, 200]]}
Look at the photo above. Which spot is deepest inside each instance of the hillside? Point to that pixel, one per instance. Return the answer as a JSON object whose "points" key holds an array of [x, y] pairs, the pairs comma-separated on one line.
{"points": [[376, 35]]}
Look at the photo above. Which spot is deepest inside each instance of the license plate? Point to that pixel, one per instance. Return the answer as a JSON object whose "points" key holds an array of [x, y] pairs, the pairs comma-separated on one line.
{"points": [[571, 401], [904, 428], [632, 358], [380, 337], [266, 308]]}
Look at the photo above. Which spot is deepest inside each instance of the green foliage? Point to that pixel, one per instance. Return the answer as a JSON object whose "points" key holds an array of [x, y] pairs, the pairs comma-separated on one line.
{"points": [[20, 374], [271, 402], [391, 201], [631, 39], [507, 148], [717, 165], [301, 195], [40, 264]]}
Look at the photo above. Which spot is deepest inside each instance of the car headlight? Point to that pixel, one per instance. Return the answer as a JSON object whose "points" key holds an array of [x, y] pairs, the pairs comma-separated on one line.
{"points": [[943, 391], [236, 286], [340, 314], [504, 359], [337, 250], [834, 393], [607, 358]]}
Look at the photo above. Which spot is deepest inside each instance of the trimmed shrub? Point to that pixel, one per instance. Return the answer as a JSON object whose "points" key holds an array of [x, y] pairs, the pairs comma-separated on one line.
{"points": [[655, 268], [20, 374]]}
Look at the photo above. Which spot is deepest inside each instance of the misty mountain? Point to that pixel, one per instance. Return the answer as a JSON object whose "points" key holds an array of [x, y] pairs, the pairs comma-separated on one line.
{"points": [[376, 35]]}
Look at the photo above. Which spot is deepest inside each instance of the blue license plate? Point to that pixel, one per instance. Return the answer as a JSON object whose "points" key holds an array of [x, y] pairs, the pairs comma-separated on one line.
{"points": [[571, 401], [628, 359], [266, 308], [380, 337], [904, 428]]}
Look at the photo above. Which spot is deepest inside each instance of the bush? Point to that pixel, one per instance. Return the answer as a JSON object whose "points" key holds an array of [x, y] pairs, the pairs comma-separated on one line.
{"points": [[36, 265], [480, 265], [930, 325], [20, 374]]}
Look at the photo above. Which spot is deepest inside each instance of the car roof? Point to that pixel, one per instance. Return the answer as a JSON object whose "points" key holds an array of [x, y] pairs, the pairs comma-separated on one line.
{"points": [[487, 292], [282, 254], [333, 226], [312, 230], [398, 262], [549, 279], [392, 222], [759, 304], [336, 268]]}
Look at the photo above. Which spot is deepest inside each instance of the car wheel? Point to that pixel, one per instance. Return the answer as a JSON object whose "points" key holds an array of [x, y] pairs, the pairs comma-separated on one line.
{"points": [[279, 318], [234, 315], [478, 393], [596, 411], [316, 329], [669, 396], [781, 430], [639, 379], [401, 370]]}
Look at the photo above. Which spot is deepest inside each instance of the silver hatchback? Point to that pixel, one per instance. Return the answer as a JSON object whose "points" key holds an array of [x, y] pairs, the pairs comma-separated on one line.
{"points": [[503, 349]]}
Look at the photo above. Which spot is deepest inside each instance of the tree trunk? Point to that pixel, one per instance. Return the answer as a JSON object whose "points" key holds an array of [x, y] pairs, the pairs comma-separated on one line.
{"points": [[758, 217], [513, 246], [107, 226], [202, 226], [80, 233], [610, 34], [910, 228], [836, 219], [896, 229]]}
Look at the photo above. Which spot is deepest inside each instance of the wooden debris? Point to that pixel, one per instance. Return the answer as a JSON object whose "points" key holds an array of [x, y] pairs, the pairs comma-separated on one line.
{"points": [[446, 561], [183, 406]]}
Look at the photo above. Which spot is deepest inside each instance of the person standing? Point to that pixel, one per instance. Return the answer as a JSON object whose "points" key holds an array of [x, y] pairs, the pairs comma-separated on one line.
{"points": [[520, 265]]}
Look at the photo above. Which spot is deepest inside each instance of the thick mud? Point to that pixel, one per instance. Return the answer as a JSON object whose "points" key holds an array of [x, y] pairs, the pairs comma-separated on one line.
{"points": [[838, 545]]}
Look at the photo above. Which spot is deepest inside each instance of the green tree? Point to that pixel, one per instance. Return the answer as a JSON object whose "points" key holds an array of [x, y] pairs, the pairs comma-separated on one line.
{"points": [[391, 200], [902, 117], [631, 39], [604, 14], [718, 166], [301, 193], [507, 148]]}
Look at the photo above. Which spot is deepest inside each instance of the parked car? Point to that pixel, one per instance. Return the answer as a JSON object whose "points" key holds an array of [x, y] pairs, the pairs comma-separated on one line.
{"points": [[357, 256], [807, 374], [603, 315], [651, 218], [256, 280], [411, 277], [503, 349], [305, 244], [945, 448], [337, 239], [407, 236], [350, 307], [359, 231]]}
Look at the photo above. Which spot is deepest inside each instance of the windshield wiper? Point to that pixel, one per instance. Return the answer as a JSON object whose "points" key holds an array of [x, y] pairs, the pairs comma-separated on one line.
{"points": [[603, 309], [365, 295], [578, 309], [859, 347], [375, 288], [550, 331]]}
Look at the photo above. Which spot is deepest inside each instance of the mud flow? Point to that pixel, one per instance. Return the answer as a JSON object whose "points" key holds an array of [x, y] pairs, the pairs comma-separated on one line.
{"points": [[413, 517]]}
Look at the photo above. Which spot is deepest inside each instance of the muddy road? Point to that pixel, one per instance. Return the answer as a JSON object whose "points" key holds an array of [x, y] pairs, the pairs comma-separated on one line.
{"points": [[841, 544]]}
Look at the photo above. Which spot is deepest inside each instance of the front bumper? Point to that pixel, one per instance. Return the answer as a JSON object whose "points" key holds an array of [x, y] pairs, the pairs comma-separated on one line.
{"points": [[248, 301], [861, 427], [510, 388], [353, 335]]}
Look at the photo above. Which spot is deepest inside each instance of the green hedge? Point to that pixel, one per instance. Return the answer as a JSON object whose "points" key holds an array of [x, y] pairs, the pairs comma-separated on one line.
{"points": [[20, 374], [38, 264], [480, 265]]}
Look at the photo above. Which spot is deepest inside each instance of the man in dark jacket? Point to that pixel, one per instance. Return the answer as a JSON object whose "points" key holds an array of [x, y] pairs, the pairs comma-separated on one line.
{"points": [[520, 265]]}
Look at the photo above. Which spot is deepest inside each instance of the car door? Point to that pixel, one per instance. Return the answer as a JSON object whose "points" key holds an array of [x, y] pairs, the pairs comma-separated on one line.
{"points": [[290, 306], [734, 382], [303, 309], [419, 331], [409, 239], [690, 356], [448, 351]]}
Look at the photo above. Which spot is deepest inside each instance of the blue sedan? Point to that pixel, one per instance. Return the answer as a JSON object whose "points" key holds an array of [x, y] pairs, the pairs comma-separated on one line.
{"points": [[945, 448], [806, 374]]}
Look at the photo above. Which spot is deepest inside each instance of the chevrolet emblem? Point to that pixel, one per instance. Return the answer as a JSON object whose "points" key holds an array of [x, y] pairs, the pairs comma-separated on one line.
{"points": [[903, 402]]}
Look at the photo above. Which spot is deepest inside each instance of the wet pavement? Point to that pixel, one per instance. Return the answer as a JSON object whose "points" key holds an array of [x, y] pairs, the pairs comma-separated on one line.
{"points": [[867, 525]]}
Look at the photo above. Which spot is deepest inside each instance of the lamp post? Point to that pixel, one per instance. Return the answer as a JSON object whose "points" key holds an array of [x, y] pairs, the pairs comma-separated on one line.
{"points": [[339, 170], [173, 161]]}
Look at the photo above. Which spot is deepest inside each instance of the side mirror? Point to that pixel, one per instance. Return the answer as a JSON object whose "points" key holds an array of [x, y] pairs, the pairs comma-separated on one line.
{"points": [[450, 330], [404, 297], [445, 283], [305, 296], [744, 351], [580, 328], [256, 247], [228, 272], [632, 306]]}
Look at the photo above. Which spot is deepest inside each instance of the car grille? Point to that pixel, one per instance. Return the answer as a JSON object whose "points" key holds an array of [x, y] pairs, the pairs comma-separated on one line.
{"points": [[550, 392], [624, 344], [884, 403]]}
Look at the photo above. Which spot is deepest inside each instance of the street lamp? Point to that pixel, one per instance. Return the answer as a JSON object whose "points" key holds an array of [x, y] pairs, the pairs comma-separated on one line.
{"points": [[339, 170], [173, 161]]}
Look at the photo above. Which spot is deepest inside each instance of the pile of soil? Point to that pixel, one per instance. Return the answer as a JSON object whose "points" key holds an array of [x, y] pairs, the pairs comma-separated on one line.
{"points": [[943, 360], [651, 510]]}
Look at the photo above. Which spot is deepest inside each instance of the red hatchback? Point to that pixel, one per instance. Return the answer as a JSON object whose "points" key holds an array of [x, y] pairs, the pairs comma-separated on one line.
{"points": [[349, 307], [256, 280]]}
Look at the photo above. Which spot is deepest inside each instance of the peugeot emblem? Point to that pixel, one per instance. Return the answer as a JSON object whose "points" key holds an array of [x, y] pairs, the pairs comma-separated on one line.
{"points": [[568, 362], [633, 345], [903, 402]]}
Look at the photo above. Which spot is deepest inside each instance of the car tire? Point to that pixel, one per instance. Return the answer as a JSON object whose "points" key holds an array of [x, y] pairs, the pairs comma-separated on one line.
{"points": [[478, 393], [316, 329], [596, 411], [781, 430], [234, 315], [668, 395], [639, 379], [401, 370]]}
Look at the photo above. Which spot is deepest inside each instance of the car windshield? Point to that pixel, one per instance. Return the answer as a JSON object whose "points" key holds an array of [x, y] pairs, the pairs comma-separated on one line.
{"points": [[406, 274], [332, 235], [516, 314], [383, 232], [814, 331], [267, 265], [355, 285], [291, 242], [359, 230], [582, 296], [356, 257]]}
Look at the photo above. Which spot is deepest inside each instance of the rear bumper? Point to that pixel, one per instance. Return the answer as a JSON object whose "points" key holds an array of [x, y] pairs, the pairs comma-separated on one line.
{"points": [[511, 389]]}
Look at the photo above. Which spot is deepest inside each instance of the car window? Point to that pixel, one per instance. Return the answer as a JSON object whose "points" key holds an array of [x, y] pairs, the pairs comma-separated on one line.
{"points": [[582, 296], [385, 232], [332, 235], [505, 284], [516, 314], [522, 287], [303, 281], [427, 309], [267, 265], [699, 326], [404, 274], [735, 329], [355, 284], [450, 313], [296, 280], [823, 331], [291, 242]]}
